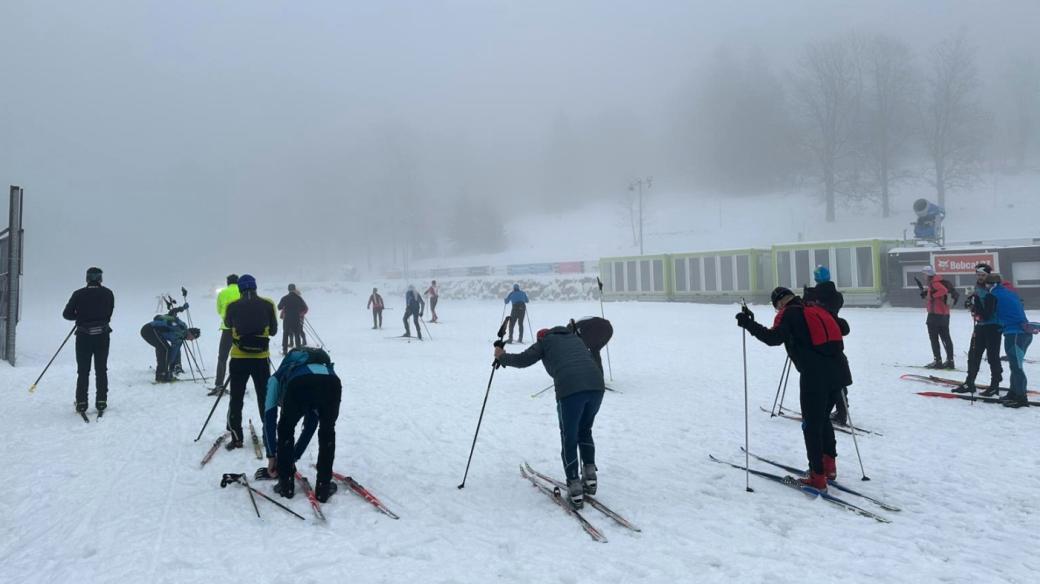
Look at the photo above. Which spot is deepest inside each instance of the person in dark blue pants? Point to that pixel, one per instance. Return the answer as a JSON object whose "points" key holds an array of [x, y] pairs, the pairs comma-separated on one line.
{"points": [[1018, 335], [579, 393]]}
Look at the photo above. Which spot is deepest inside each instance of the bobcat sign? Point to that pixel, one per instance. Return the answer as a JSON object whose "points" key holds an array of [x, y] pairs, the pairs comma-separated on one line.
{"points": [[956, 264]]}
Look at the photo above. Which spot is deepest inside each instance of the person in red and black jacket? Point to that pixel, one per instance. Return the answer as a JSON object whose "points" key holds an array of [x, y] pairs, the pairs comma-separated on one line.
{"points": [[91, 307], [813, 339], [935, 295]]}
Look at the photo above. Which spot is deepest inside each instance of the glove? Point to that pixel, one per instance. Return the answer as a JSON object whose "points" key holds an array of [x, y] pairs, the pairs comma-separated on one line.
{"points": [[744, 320], [186, 305], [745, 310], [924, 293]]}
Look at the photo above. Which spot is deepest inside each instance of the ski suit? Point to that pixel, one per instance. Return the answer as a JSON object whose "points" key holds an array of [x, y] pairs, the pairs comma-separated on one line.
{"points": [[91, 308], [252, 320], [1018, 335], [519, 299], [375, 302], [165, 333], [938, 320], [293, 309], [432, 292], [414, 306], [985, 337]]}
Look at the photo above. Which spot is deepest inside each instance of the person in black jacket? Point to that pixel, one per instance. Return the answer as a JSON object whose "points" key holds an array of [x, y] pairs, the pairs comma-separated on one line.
{"points": [[579, 393], [813, 339], [293, 309], [252, 320], [985, 337], [825, 294], [91, 307]]}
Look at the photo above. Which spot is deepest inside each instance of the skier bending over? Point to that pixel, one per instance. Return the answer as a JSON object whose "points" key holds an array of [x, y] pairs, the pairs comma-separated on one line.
{"points": [[414, 306], [305, 385], [812, 337], [579, 393], [166, 333]]}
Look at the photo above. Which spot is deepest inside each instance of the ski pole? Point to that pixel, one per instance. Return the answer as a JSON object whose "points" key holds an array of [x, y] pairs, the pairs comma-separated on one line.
{"points": [[551, 385], [198, 349], [747, 447], [852, 430], [783, 394], [191, 370], [32, 388], [425, 326], [783, 372], [313, 332], [193, 357], [233, 478], [494, 365], [610, 369], [220, 394]]}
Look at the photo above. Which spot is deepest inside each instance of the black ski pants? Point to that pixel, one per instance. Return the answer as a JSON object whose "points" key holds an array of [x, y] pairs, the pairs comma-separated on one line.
{"points": [[310, 393], [939, 328], [817, 399], [377, 318], [91, 348], [241, 370], [414, 313], [162, 352], [292, 333], [222, 356], [517, 317], [576, 414], [985, 339]]}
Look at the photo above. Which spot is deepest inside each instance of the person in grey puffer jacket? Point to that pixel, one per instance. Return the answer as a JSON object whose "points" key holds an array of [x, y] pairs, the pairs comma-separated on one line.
{"points": [[579, 393]]}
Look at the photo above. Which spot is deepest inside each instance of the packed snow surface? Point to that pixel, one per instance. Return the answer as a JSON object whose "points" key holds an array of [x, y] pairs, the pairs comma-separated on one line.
{"points": [[124, 499]]}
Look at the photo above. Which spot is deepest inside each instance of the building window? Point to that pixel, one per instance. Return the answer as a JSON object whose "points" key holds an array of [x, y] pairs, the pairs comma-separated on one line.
{"points": [[822, 257], [658, 266], [619, 276], [802, 269], [630, 268], [695, 274], [865, 267], [726, 265], [1026, 274], [783, 269], [911, 271], [843, 257], [710, 277], [680, 275], [743, 272]]}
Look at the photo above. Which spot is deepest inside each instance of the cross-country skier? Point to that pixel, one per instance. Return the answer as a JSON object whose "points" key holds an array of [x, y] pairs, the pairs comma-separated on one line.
{"points": [[252, 320], [226, 296], [826, 294], [1018, 335], [986, 335], [293, 310], [166, 333], [91, 307], [812, 337], [579, 393], [434, 293], [935, 294], [519, 299], [414, 306], [304, 386], [375, 303]]}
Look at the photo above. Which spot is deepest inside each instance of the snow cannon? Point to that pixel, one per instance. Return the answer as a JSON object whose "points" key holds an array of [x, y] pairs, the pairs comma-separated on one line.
{"points": [[929, 220]]}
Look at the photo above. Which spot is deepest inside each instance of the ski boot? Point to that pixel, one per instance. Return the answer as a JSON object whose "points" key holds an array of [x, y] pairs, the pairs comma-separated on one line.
{"points": [[816, 481], [101, 405], [937, 364], [588, 479], [234, 444], [949, 364], [81, 407], [285, 487], [965, 387], [1007, 396], [575, 493], [1016, 401], [830, 467], [324, 489]]}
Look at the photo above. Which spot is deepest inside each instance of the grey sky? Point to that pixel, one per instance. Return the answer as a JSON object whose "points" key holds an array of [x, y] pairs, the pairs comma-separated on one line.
{"points": [[187, 136]]}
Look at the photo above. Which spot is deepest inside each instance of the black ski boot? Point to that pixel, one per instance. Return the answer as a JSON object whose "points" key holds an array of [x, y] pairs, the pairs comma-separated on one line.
{"points": [[966, 387], [588, 479], [285, 487], [949, 364], [937, 364], [324, 489], [234, 444], [1016, 401], [575, 493], [81, 407]]}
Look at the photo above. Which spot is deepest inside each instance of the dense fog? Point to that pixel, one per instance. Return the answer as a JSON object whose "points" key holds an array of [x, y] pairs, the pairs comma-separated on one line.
{"points": [[174, 140]]}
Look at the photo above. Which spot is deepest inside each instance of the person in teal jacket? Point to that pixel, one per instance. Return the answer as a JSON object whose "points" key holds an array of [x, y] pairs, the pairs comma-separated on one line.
{"points": [[1018, 335]]}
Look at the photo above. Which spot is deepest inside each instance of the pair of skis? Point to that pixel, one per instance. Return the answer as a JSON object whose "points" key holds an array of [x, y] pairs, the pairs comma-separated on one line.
{"points": [[354, 486], [797, 416], [791, 482], [945, 382], [554, 489]]}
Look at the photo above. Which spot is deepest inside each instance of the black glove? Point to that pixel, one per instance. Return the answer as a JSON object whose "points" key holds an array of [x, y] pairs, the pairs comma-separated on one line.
{"points": [[745, 310], [924, 293], [744, 320]]}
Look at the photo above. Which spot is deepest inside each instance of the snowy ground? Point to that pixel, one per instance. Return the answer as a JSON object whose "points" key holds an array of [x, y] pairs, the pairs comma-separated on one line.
{"points": [[124, 499]]}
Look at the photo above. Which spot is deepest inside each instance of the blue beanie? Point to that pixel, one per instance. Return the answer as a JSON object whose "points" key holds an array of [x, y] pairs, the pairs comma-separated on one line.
{"points": [[246, 282], [821, 274]]}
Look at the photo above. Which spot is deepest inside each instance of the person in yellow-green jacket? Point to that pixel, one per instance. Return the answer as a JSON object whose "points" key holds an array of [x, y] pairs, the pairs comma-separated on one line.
{"points": [[225, 297], [253, 320]]}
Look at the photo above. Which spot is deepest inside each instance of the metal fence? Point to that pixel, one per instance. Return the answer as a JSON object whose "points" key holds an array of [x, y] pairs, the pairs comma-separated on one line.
{"points": [[11, 254]]}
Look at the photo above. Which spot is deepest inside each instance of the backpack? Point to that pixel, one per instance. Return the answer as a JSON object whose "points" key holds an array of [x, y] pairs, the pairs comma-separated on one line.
{"points": [[312, 356], [953, 295]]}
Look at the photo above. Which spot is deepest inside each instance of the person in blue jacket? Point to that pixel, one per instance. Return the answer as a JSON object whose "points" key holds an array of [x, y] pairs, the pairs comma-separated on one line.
{"points": [[166, 333], [1018, 335], [413, 307], [304, 386], [519, 299]]}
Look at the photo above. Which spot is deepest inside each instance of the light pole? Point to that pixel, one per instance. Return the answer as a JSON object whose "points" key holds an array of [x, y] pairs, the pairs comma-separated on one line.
{"points": [[638, 183]]}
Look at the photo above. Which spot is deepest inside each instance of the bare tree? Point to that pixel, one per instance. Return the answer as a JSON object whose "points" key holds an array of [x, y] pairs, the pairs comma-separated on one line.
{"points": [[951, 117], [1024, 81], [889, 86], [828, 93]]}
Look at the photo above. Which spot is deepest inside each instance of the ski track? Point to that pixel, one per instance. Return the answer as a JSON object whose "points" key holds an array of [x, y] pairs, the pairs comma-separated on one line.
{"points": [[124, 499]]}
